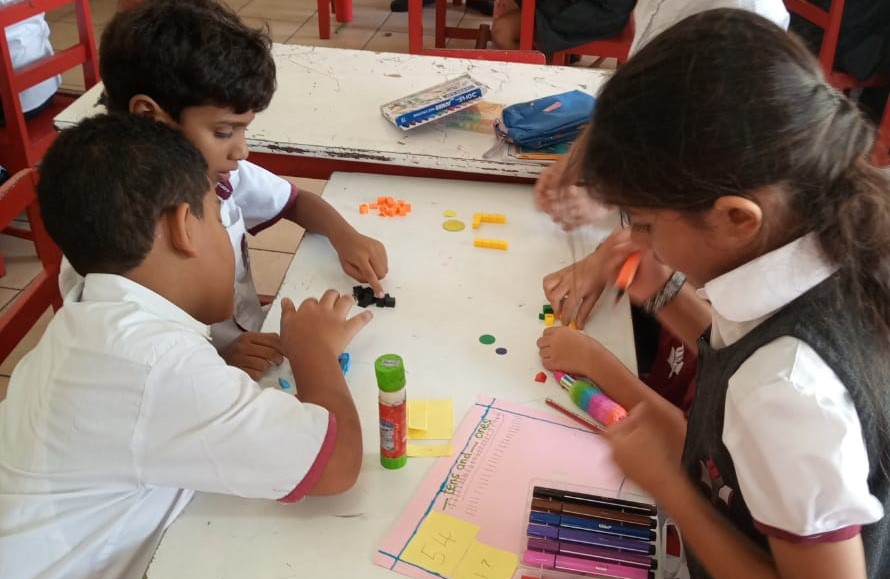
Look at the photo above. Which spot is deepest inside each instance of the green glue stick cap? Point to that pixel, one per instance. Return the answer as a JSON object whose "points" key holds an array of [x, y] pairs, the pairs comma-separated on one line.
{"points": [[390, 371]]}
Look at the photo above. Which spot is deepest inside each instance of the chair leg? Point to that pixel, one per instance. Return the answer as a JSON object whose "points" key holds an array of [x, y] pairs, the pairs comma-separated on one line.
{"points": [[324, 19], [343, 10], [483, 37], [441, 22]]}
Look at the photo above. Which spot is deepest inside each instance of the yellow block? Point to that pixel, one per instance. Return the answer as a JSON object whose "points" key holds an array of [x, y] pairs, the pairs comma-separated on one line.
{"points": [[548, 320], [490, 243], [494, 218]]}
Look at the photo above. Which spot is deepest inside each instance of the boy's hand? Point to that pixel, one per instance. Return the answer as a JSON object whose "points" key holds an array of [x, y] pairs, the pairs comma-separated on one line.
{"points": [[571, 351], [320, 327], [647, 446], [254, 352], [363, 258]]}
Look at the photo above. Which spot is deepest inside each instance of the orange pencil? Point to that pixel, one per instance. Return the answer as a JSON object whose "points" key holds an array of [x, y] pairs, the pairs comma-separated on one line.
{"points": [[580, 418], [626, 274]]}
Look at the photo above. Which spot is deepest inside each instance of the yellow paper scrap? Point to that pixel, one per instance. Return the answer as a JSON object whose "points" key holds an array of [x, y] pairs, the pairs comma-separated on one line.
{"points": [[426, 450], [440, 543], [418, 415], [440, 421], [486, 562]]}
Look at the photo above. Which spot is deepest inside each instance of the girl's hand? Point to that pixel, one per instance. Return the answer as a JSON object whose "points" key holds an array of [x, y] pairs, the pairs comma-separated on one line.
{"points": [[647, 446], [575, 289], [363, 259], [571, 351], [320, 327]]}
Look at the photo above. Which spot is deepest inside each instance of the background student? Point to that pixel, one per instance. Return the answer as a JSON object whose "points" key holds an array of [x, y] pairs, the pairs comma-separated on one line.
{"points": [[194, 65]]}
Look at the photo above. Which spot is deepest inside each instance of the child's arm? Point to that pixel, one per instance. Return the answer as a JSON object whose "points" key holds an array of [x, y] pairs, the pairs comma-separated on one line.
{"points": [[640, 447], [569, 350], [362, 257], [313, 337]]}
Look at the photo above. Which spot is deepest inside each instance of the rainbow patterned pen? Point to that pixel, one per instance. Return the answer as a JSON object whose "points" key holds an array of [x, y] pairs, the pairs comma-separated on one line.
{"points": [[591, 399]]}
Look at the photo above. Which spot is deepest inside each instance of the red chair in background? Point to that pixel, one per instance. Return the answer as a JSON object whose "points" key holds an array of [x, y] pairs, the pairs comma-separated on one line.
{"points": [[18, 195], [617, 47], [342, 9], [23, 143], [481, 36], [830, 22]]}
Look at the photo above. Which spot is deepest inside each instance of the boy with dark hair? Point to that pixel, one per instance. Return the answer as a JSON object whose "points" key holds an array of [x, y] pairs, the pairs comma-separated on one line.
{"points": [[194, 65], [124, 408]]}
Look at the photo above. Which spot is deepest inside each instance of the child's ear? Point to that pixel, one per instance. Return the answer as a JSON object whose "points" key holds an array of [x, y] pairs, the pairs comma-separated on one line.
{"points": [[144, 105], [740, 219], [177, 225]]}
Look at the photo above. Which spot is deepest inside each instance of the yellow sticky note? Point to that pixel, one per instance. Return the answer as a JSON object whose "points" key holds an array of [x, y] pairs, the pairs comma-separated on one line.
{"points": [[440, 421], [486, 562], [440, 543], [426, 450], [418, 415]]}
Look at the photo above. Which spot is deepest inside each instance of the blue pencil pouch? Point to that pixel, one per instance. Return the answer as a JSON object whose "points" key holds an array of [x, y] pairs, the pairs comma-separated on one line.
{"points": [[545, 121]]}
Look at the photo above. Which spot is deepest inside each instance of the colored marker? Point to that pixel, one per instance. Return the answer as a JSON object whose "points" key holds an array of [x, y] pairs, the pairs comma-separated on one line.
{"points": [[589, 552], [608, 502], [591, 524], [548, 506], [580, 418], [626, 274], [579, 565], [590, 538]]}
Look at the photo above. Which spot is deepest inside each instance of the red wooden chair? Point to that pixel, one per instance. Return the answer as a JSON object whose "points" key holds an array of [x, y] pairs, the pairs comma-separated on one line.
{"points": [[342, 9], [830, 22], [617, 47], [415, 39], [18, 195], [23, 143]]}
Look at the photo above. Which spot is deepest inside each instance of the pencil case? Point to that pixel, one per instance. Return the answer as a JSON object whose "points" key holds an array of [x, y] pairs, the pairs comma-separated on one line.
{"points": [[433, 103], [545, 121]]}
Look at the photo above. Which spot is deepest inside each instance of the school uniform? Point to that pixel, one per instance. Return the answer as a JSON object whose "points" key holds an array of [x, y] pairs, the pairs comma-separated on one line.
{"points": [[252, 200], [782, 433], [117, 416], [652, 17], [29, 41]]}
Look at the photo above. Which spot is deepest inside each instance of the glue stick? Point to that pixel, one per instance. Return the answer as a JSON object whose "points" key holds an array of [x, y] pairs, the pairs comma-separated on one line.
{"points": [[390, 371]]}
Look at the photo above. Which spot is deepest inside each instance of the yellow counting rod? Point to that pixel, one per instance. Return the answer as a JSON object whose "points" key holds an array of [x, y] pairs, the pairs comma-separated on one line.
{"points": [[480, 218], [490, 243]]}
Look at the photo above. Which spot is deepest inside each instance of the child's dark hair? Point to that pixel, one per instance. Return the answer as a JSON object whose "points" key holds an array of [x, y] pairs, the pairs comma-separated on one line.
{"points": [[105, 183], [725, 103], [186, 53]]}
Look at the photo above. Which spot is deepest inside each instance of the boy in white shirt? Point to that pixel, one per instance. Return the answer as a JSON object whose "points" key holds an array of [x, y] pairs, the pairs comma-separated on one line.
{"points": [[124, 408], [194, 65]]}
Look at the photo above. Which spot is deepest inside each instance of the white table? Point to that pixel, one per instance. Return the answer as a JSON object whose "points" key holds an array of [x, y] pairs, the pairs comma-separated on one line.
{"points": [[325, 115], [447, 293]]}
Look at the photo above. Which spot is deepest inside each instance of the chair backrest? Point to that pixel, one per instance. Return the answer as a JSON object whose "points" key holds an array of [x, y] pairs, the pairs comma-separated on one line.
{"points": [[18, 195], [828, 20], [23, 143]]}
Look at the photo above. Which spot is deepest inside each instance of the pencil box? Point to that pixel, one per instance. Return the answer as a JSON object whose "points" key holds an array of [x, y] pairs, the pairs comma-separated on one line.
{"points": [[433, 103], [545, 121]]}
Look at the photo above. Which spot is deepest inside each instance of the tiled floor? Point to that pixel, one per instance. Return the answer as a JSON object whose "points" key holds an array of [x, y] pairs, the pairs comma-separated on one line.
{"points": [[373, 27]]}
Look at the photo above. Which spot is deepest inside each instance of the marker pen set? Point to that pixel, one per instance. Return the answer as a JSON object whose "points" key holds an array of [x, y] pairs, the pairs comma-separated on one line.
{"points": [[591, 535]]}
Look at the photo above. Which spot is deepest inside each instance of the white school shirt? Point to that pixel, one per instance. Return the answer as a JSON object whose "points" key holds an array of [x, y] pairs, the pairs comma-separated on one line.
{"points": [[805, 475], [251, 201], [29, 41], [121, 412], [652, 17]]}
